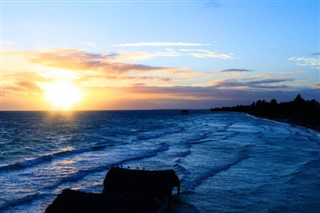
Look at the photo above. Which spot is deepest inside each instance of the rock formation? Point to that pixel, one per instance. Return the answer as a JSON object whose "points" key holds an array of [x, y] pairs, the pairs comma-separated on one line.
{"points": [[124, 190]]}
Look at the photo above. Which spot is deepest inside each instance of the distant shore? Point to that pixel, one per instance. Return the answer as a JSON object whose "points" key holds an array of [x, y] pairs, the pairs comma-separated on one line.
{"points": [[299, 122], [298, 112]]}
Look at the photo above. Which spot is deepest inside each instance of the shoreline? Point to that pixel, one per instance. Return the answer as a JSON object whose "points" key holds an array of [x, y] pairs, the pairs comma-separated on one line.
{"points": [[300, 112], [288, 121]]}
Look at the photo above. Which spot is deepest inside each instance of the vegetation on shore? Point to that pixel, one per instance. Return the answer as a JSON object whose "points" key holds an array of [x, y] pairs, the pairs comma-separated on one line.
{"points": [[298, 111]]}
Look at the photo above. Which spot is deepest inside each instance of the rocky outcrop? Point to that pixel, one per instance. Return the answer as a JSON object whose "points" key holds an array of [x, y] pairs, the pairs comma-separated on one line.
{"points": [[154, 186], [124, 190], [76, 201]]}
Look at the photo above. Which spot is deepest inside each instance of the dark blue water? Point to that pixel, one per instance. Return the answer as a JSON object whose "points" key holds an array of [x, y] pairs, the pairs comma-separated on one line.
{"points": [[226, 161]]}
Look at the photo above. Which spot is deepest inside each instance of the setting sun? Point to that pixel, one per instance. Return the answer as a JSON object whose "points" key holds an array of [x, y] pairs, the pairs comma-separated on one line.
{"points": [[63, 95]]}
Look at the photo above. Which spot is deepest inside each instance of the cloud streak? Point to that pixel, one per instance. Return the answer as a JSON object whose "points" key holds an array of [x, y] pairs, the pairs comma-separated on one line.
{"points": [[21, 89], [161, 44], [312, 61], [80, 60], [198, 53], [278, 83], [89, 44], [134, 78], [236, 70]]}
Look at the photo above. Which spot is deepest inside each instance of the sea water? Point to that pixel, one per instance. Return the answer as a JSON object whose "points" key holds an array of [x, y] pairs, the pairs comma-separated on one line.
{"points": [[227, 162]]}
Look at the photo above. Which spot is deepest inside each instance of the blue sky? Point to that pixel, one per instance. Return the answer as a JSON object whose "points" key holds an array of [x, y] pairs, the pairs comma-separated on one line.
{"points": [[261, 47]]}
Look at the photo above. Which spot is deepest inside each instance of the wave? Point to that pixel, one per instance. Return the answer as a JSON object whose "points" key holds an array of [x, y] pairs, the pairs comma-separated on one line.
{"points": [[191, 185], [23, 200], [96, 147], [150, 136], [82, 173], [197, 138], [302, 170], [49, 157], [181, 170], [158, 135], [183, 154]]}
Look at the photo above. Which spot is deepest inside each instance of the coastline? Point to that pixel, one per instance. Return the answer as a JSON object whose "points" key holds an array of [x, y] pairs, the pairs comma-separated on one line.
{"points": [[297, 112], [287, 120]]}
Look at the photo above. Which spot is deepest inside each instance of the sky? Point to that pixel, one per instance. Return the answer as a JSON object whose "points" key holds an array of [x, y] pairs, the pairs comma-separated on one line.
{"points": [[120, 55]]}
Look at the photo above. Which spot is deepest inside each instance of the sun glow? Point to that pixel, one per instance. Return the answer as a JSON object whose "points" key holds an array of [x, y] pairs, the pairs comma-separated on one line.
{"points": [[63, 95]]}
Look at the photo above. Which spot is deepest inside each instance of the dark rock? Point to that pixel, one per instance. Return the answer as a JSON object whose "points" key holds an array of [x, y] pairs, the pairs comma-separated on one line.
{"points": [[77, 201], [74, 201], [154, 186], [124, 190]]}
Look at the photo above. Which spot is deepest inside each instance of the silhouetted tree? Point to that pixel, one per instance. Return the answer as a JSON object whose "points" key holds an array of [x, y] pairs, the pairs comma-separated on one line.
{"points": [[299, 99], [299, 110], [273, 102]]}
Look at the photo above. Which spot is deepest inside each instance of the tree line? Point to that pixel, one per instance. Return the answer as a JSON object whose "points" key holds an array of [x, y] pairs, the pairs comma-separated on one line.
{"points": [[299, 111]]}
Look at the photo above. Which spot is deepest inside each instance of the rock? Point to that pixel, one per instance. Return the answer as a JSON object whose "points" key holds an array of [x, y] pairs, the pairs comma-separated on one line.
{"points": [[76, 201], [124, 190], [154, 186]]}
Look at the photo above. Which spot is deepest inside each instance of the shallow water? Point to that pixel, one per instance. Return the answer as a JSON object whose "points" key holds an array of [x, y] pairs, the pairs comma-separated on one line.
{"points": [[226, 161]]}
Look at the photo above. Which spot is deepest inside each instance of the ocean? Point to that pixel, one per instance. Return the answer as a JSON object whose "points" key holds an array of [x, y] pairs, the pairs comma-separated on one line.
{"points": [[227, 162]]}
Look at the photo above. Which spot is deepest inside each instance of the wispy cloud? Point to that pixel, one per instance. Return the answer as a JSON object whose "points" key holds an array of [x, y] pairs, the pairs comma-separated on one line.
{"points": [[110, 62], [199, 53], [316, 85], [252, 83], [141, 55], [73, 59], [136, 56], [96, 68], [236, 70], [29, 85], [312, 61], [89, 44], [21, 89], [161, 44], [143, 78]]}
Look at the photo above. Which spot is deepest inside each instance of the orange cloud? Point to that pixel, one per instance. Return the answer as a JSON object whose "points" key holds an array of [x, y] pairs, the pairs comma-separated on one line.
{"points": [[73, 59], [22, 88], [84, 66]]}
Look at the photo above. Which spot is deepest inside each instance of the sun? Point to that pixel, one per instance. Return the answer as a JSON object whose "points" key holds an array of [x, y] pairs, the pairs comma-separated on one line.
{"points": [[63, 95]]}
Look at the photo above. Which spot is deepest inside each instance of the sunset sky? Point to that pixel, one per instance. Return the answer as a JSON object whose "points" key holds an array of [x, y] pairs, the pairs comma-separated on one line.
{"points": [[103, 55]]}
